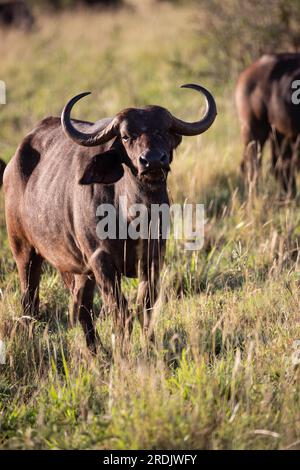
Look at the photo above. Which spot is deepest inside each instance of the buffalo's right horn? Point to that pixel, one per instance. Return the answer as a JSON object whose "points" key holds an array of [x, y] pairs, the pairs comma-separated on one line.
{"points": [[105, 130], [196, 128]]}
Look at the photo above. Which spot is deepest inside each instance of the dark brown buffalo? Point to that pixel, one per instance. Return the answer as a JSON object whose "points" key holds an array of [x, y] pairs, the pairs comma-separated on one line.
{"points": [[53, 185], [17, 14], [2, 168], [266, 111]]}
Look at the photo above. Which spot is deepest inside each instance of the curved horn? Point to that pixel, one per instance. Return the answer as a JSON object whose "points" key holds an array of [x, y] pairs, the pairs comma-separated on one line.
{"points": [[105, 129], [195, 128]]}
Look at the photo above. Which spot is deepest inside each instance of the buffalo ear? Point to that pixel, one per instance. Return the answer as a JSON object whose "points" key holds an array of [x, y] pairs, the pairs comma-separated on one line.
{"points": [[105, 168], [177, 140]]}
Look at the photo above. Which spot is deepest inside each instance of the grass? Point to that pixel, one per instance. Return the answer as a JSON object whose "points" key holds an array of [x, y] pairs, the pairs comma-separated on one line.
{"points": [[224, 374]]}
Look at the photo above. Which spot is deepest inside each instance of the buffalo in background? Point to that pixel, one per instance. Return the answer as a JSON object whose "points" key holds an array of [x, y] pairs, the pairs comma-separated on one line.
{"points": [[16, 14], [266, 111]]}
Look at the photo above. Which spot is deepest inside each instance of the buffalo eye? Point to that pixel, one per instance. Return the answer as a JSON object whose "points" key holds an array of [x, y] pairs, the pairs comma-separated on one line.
{"points": [[129, 138]]}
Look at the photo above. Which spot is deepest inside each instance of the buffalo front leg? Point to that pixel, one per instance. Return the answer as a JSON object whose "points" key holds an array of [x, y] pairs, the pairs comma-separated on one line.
{"points": [[148, 288], [82, 290], [115, 304], [147, 296]]}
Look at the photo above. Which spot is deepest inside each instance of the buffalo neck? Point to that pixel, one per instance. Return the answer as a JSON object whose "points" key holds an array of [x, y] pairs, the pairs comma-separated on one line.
{"points": [[139, 192]]}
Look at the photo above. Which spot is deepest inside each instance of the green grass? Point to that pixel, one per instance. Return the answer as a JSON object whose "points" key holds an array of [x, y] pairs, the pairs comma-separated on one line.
{"points": [[222, 375]]}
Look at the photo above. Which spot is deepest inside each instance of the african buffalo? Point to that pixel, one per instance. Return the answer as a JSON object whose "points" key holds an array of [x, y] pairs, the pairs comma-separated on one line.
{"points": [[266, 111], [61, 173], [16, 13]]}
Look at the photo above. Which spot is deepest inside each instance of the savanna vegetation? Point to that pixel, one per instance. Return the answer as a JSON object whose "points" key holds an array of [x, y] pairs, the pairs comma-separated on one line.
{"points": [[224, 373]]}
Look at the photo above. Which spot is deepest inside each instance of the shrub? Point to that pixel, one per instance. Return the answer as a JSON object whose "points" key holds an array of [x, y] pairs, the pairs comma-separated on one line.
{"points": [[238, 31]]}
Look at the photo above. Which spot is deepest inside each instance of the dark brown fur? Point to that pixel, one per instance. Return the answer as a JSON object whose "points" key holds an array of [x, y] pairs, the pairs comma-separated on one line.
{"points": [[265, 108]]}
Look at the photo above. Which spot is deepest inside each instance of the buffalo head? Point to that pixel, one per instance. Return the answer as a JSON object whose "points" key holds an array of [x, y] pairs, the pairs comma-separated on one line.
{"points": [[143, 139]]}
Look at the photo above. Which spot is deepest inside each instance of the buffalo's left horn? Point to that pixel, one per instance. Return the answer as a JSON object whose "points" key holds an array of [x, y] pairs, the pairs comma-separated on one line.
{"points": [[195, 128], [105, 129]]}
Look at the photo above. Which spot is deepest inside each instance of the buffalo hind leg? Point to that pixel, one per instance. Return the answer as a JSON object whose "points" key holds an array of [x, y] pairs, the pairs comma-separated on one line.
{"points": [[82, 290], [29, 265], [252, 156], [284, 159]]}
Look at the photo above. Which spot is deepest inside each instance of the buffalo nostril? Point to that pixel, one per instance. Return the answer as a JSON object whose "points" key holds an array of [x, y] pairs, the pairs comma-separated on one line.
{"points": [[144, 162]]}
